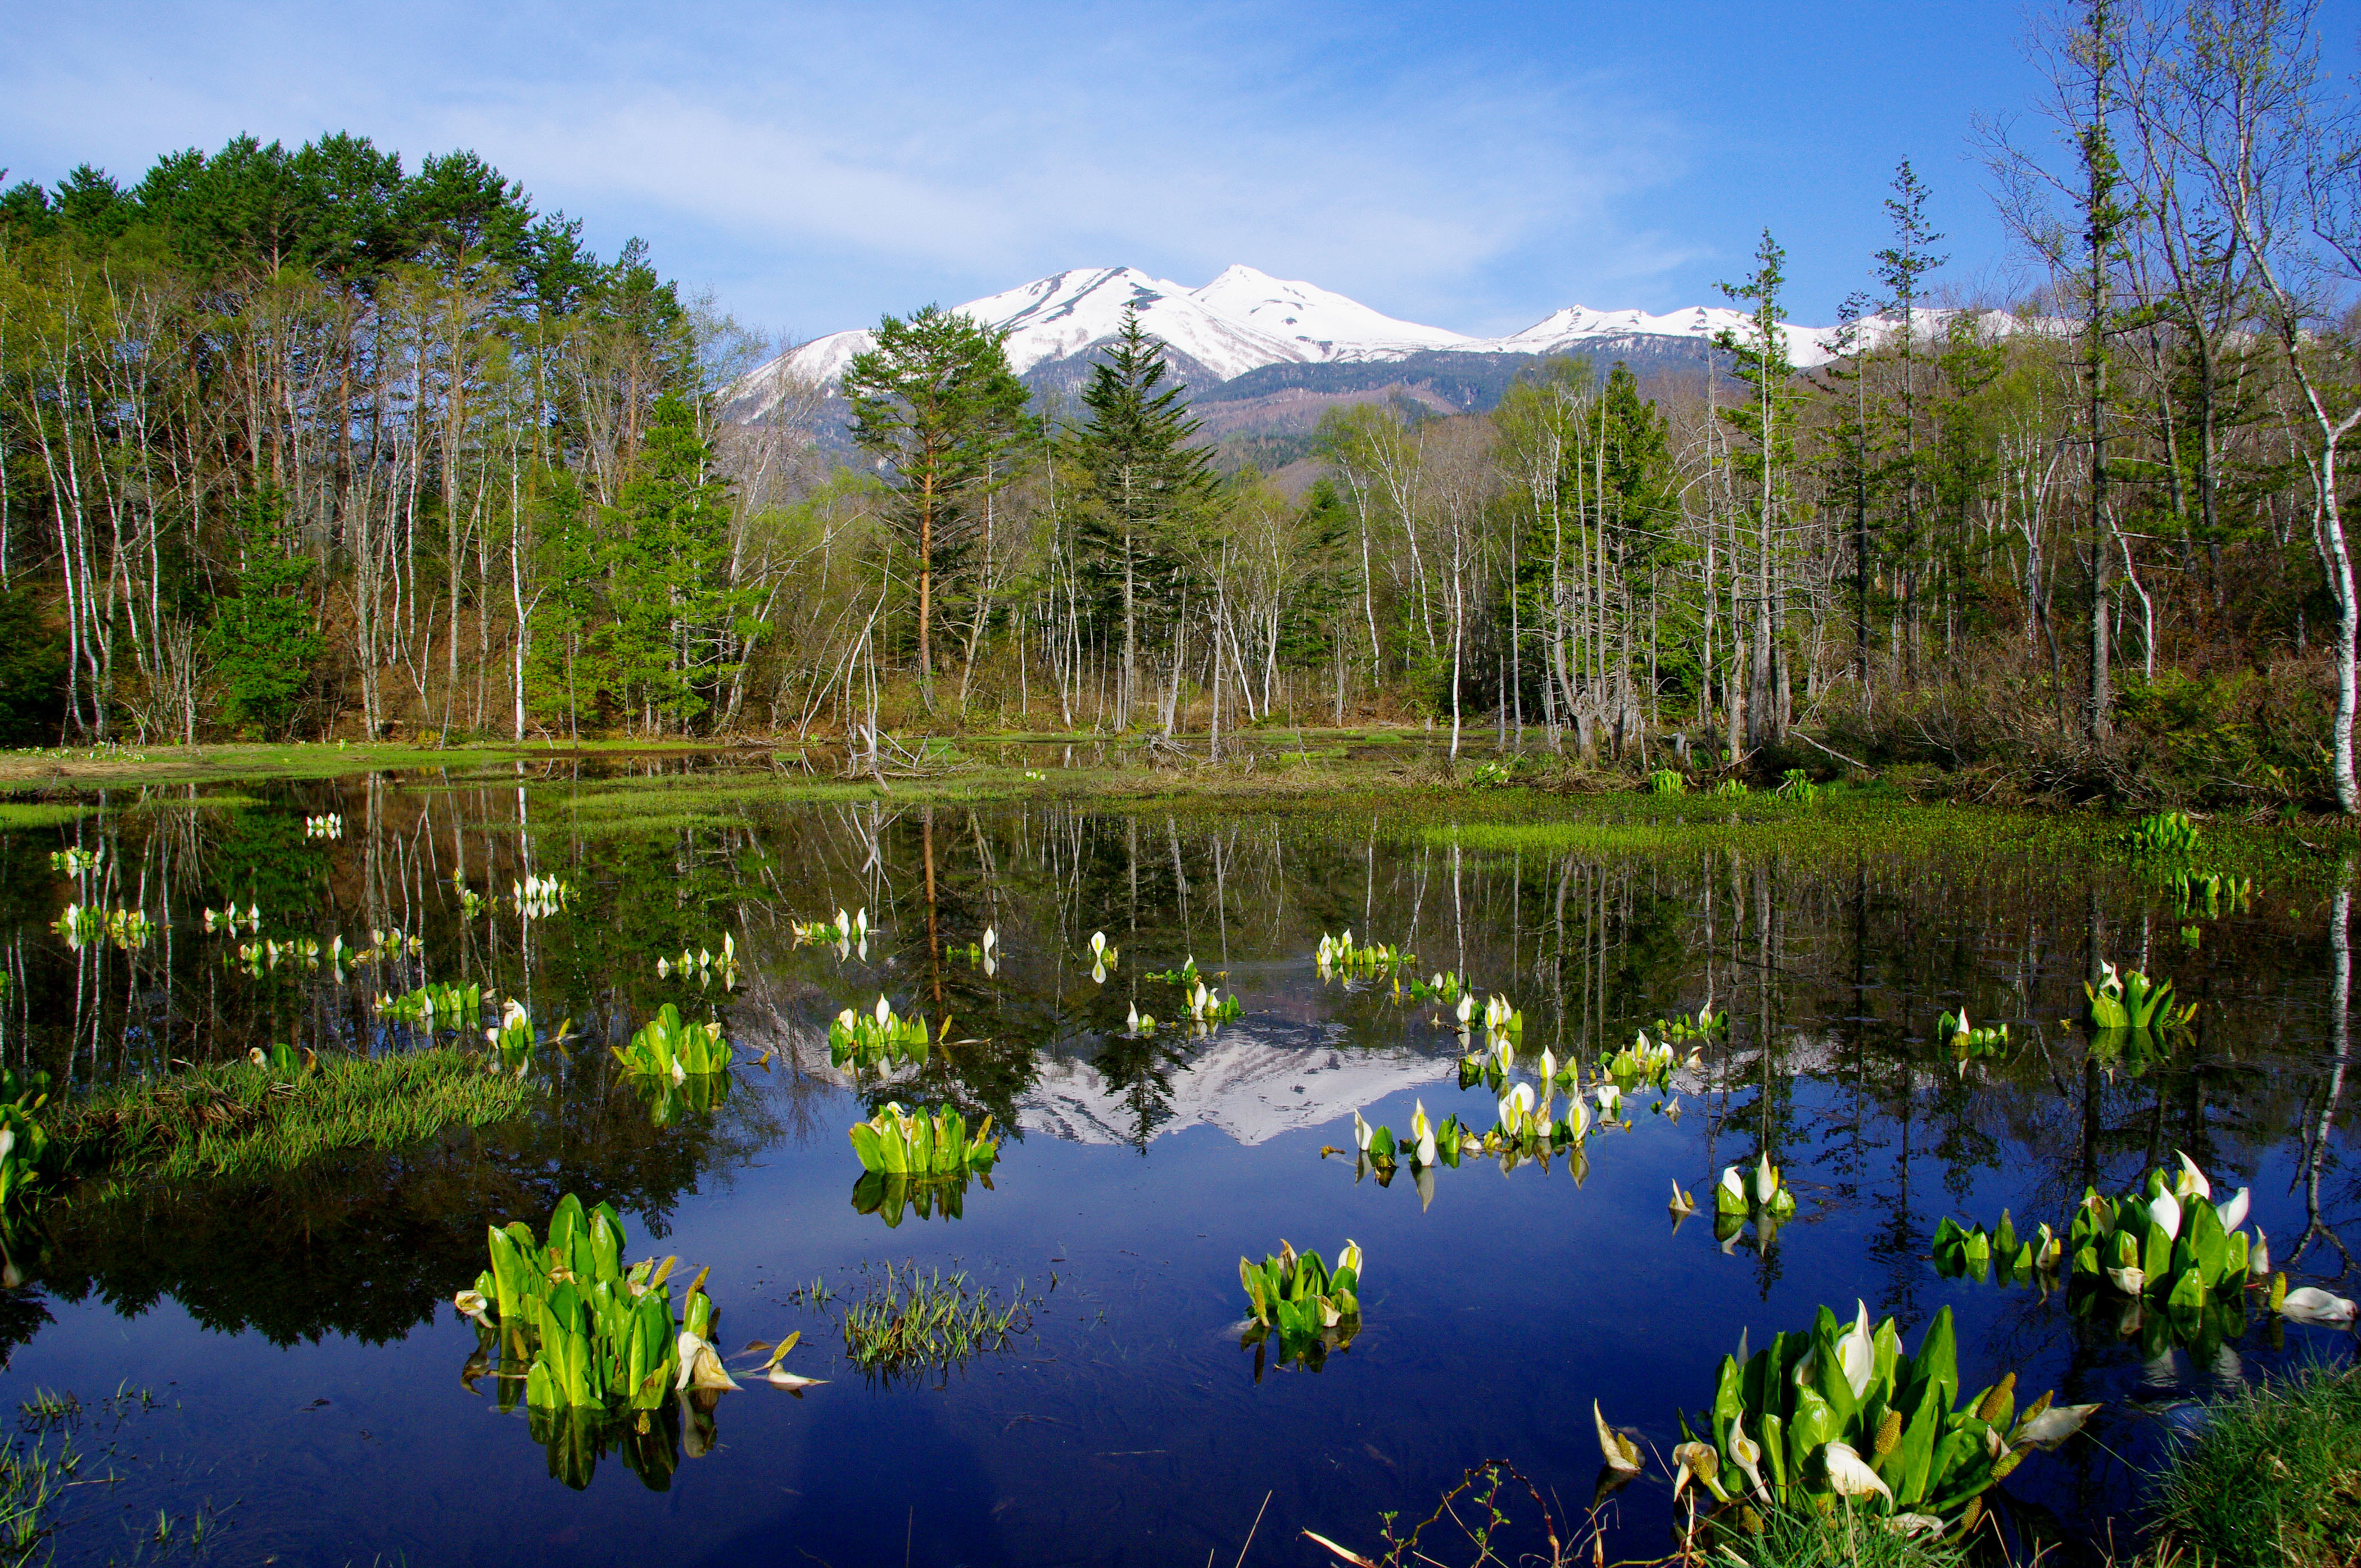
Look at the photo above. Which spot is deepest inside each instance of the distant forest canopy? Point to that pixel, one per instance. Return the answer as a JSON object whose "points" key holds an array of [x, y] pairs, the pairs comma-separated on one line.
{"points": [[297, 442]]}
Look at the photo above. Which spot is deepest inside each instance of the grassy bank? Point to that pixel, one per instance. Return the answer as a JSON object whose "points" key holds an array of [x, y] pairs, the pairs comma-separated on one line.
{"points": [[2273, 1479], [239, 1119]]}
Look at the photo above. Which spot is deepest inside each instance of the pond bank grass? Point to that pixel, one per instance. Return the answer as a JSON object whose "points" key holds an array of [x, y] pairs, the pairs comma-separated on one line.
{"points": [[239, 1119], [2272, 1478]]}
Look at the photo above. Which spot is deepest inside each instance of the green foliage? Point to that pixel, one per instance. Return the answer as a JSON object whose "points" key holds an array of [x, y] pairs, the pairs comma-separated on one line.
{"points": [[2164, 834], [591, 1333], [2266, 1481], [1668, 781], [2165, 1239], [2130, 1000], [265, 639], [27, 1161], [1295, 1299], [904, 1324], [916, 1146], [2000, 1255], [1842, 1538], [666, 1047], [875, 1039], [436, 1005], [1343, 954], [680, 628], [245, 1119], [1840, 1411], [32, 672]]}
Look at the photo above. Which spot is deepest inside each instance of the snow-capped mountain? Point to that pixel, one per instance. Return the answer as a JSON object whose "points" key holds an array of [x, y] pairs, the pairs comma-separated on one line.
{"points": [[1244, 320]]}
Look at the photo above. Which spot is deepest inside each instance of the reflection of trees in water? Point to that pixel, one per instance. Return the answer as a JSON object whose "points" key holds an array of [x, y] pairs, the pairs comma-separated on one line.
{"points": [[1833, 967], [369, 1243]]}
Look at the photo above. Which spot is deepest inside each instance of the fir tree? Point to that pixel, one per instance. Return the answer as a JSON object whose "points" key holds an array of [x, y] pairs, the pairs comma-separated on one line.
{"points": [[1145, 478]]}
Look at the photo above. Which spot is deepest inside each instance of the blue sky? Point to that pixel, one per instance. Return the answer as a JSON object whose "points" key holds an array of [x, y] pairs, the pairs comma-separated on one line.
{"points": [[1470, 165]]}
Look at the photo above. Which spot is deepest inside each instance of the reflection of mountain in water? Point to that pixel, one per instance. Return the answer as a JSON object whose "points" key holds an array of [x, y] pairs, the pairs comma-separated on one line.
{"points": [[1253, 1079]]}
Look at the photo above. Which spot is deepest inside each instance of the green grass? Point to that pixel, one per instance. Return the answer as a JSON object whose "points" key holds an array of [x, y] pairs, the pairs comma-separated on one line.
{"points": [[237, 1119], [904, 1324], [2273, 1479], [20, 815], [1793, 1538]]}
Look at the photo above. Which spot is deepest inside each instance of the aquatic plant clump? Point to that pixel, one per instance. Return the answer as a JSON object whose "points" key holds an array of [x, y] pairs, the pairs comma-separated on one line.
{"points": [[2130, 1000], [25, 1151], [1342, 954], [1296, 1298], [904, 1324], [87, 924], [876, 1038], [1842, 1412], [596, 1335], [328, 825], [2164, 834], [76, 862], [705, 965], [2168, 1239], [919, 1145], [436, 1006], [666, 1046]]}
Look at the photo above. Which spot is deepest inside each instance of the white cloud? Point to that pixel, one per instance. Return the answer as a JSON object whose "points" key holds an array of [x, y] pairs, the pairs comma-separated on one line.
{"points": [[824, 162]]}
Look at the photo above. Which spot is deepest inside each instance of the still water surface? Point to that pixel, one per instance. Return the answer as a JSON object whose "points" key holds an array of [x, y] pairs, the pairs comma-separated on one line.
{"points": [[307, 1365]]}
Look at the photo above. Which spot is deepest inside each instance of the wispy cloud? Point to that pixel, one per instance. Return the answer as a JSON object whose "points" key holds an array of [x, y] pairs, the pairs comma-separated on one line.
{"points": [[819, 163]]}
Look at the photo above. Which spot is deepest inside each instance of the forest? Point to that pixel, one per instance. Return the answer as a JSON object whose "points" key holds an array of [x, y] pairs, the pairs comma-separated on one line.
{"points": [[306, 443]]}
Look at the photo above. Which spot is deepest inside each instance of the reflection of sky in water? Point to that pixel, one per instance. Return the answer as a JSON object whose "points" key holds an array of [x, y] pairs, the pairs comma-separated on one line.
{"points": [[1129, 1428]]}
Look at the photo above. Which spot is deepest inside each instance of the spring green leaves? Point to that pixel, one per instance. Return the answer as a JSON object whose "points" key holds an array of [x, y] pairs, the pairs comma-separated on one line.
{"points": [[2130, 1000], [1342, 956], [1297, 1300], [594, 1343], [668, 1048], [921, 1144], [877, 1037], [1841, 1411]]}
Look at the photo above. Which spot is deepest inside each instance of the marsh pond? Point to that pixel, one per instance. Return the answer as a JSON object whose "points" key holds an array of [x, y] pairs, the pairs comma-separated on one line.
{"points": [[1030, 1340]]}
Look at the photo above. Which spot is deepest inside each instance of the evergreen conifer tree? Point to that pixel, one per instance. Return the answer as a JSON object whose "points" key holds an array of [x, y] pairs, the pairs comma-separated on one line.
{"points": [[1145, 478]]}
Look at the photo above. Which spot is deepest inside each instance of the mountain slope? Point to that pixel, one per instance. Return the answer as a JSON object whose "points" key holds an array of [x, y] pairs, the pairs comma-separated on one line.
{"points": [[1245, 322]]}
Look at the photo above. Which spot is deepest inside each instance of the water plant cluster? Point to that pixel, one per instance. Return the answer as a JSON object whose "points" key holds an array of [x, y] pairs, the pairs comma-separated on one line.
{"points": [[1297, 1300], [1967, 1039], [438, 1005], [2130, 1000], [26, 1159], [904, 1324], [297, 952], [328, 825], [1760, 1197], [706, 965], [668, 1047], [84, 924], [1840, 1413], [596, 1344], [924, 1144], [843, 932], [539, 897], [77, 862], [1103, 957], [1342, 954], [877, 1037]]}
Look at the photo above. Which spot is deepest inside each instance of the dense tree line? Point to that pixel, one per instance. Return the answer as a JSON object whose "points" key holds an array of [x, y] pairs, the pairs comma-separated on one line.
{"points": [[297, 442]]}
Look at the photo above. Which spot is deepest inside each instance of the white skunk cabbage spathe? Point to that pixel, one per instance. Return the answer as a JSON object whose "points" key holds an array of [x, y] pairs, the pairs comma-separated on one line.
{"points": [[1744, 1452], [1098, 942], [2164, 1208], [1682, 1205], [1857, 1353], [2259, 1257], [2191, 1182], [1850, 1475], [1621, 1455], [2312, 1305], [2049, 1427], [2233, 1209], [1362, 1133], [1766, 1179]]}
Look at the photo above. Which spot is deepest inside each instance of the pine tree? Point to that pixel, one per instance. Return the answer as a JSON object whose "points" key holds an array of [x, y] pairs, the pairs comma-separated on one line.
{"points": [[936, 403], [1145, 476]]}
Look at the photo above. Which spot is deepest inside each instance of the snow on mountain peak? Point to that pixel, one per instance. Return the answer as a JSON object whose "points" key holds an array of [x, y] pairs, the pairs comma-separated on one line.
{"points": [[1318, 318], [1246, 319]]}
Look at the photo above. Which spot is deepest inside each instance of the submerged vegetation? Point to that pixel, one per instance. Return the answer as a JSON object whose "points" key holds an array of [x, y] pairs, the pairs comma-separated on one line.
{"points": [[901, 1323]]}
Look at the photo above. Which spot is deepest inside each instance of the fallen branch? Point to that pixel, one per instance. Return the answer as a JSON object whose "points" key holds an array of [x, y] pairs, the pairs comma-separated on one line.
{"points": [[1816, 746]]}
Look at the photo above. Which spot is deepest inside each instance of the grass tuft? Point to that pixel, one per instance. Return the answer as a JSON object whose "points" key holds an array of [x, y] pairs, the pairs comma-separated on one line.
{"points": [[1799, 1537], [2273, 1479], [237, 1119], [904, 1323]]}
